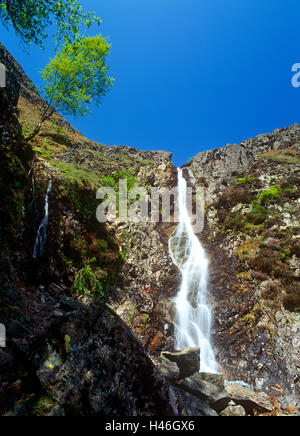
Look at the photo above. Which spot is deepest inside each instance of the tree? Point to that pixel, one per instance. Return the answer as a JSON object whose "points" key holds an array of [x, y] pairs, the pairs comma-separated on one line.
{"points": [[31, 18], [76, 77]]}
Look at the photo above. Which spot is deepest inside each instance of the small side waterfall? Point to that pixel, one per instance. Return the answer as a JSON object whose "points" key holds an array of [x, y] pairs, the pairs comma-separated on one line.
{"points": [[41, 237], [193, 317]]}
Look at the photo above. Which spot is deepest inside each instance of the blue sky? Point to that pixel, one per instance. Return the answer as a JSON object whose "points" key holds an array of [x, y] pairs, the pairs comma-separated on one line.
{"points": [[190, 74]]}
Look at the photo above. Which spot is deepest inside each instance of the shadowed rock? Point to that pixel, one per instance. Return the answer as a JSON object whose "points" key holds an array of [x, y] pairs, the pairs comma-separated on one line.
{"points": [[188, 360], [214, 396], [190, 405], [95, 365], [169, 370]]}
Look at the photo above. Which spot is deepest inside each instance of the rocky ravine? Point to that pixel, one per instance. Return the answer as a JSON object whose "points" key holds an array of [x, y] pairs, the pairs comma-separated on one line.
{"points": [[59, 327]]}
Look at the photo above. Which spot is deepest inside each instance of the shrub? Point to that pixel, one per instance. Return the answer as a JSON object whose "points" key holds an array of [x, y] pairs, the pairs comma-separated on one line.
{"points": [[262, 263], [270, 195], [295, 250], [272, 291], [285, 254], [235, 222], [291, 301], [87, 284], [244, 181], [233, 196], [112, 180], [258, 214]]}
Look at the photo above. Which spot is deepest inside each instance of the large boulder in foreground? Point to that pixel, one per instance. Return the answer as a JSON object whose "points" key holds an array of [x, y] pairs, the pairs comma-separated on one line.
{"points": [[92, 364], [187, 360], [169, 370], [248, 399], [190, 405], [216, 397]]}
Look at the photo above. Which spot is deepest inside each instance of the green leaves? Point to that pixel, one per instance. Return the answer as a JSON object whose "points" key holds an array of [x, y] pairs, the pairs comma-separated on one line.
{"points": [[78, 76], [31, 18], [87, 284], [270, 195]]}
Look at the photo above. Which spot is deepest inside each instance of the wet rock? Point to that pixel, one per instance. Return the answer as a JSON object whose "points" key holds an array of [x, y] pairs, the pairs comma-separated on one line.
{"points": [[190, 405], [169, 370], [214, 396], [19, 410], [214, 379], [68, 304], [188, 360], [6, 360], [57, 411], [16, 330], [249, 399], [58, 313], [12, 294], [233, 411], [55, 290], [95, 365]]}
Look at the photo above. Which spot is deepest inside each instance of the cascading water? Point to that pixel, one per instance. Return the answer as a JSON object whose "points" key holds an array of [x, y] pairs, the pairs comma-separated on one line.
{"points": [[193, 317], [40, 240]]}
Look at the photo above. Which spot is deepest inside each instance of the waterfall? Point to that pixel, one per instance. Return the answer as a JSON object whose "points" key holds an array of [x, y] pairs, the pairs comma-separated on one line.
{"points": [[40, 240], [193, 316]]}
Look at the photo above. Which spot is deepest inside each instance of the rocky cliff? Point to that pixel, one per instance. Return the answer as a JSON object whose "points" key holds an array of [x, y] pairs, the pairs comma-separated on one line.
{"points": [[104, 292], [62, 289], [252, 236]]}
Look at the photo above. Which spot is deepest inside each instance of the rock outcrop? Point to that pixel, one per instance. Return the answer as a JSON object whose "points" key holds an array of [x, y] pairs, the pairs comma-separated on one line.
{"points": [[202, 394], [93, 364], [214, 168], [248, 399], [188, 361], [252, 238]]}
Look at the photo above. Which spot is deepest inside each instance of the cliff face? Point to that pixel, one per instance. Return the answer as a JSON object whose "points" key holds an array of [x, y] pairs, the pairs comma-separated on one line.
{"points": [[228, 163], [83, 260], [252, 237], [54, 306]]}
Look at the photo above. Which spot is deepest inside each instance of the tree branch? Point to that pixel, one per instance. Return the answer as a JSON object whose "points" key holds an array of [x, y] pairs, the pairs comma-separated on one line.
{"points": [[46, 115]]}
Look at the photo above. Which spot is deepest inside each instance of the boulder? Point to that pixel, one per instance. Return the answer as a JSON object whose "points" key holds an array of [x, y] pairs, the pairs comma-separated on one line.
{"points": [[233, 411], [169, 370], [93, 364], [6, 361], [190, 405], [57, 411], [217, 398], [249, 399], [214, 379], [19, 410], [188, 360]]}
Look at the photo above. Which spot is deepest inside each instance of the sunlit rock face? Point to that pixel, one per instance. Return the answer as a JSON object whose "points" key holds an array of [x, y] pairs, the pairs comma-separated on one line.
{"points": [[252, 239]]}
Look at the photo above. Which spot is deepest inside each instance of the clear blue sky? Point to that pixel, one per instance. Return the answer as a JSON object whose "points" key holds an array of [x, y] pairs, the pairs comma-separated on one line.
{"points": [[190, 74]]}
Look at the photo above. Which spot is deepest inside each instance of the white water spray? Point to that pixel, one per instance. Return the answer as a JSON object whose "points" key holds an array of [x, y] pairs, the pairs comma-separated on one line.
{"points": [[40, 240], [193, 318]]}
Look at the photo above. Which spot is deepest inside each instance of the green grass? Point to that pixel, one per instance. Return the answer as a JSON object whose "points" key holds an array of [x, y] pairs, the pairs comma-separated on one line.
{"points": [[78, 174], [244, 181], [283, 156]]}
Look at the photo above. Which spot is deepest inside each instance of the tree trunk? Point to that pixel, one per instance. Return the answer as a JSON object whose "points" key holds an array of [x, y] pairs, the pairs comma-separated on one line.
{"points": [[48, 112]]}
